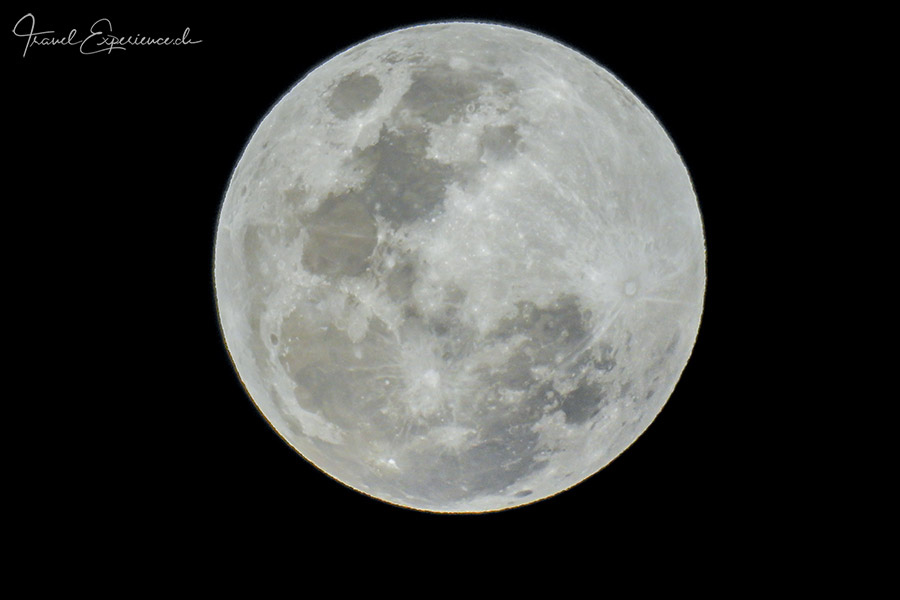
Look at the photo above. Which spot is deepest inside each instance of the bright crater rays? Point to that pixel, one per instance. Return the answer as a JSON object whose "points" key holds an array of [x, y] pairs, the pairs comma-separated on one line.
{"points": [[460, 267]]}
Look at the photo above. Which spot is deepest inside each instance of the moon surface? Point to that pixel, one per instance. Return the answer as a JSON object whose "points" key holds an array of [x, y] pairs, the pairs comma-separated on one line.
{"points": [[459, 267]]}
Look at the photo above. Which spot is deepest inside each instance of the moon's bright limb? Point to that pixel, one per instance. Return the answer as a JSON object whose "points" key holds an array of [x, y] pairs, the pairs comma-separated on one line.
{"points": [[460, 267]]}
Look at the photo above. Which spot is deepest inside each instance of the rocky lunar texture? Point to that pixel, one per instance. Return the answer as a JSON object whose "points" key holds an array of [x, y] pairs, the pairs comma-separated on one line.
{"points": [[460, 267]]}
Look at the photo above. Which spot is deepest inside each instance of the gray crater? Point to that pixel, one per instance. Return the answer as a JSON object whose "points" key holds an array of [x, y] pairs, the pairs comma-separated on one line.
{"points": [[354, 94]]}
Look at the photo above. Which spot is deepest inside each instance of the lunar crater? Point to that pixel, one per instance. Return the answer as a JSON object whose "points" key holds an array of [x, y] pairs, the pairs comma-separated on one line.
{"points": [[354, 94]]}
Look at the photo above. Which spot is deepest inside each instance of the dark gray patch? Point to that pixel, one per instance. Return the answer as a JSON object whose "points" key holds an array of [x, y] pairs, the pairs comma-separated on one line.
{"points": [[355, 93], [456, 339], [661, 358], [438, 92], [556, 337], [523, 493], [400, 280], [499, 142], [402, 184], [337, 399], [560, 327], [624, 98], [673, 343], [342, 237], [393, 57], [295, 195], [445, 322], [338, 382], [274, 339], [581, 404], [252, 244], [516, 374], [411, 311], [562, 323], [503, 86], [454, 295], [317, 381], [605, 360], [506, 454]]}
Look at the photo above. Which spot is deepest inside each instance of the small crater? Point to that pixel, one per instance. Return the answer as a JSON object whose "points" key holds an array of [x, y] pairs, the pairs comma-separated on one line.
{"points": [[274, 339], [354, 94]]}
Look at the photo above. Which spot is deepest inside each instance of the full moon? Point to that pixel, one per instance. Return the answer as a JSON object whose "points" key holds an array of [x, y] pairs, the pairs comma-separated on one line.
{"points": [[459, 267]]}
